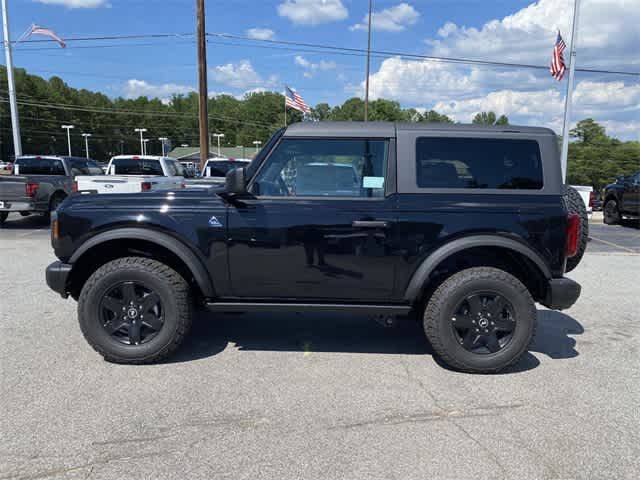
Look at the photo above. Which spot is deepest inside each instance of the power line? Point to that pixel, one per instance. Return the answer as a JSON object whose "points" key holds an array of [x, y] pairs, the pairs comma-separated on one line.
{"points": [[323, 48]]}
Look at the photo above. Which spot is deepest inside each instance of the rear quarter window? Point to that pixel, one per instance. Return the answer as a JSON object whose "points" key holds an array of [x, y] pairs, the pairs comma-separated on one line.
{"points": [[478, 163]]}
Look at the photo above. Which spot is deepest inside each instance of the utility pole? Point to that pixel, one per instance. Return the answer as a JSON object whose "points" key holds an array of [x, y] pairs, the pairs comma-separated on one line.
{"points": [[141, 131], [15, 122], [202, 80], [86, 143], [567, 104], [366, 81], [68, 129]]}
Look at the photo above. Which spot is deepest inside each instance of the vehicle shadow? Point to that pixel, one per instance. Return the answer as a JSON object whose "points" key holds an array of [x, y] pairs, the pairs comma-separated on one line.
{"points": [[300, 332], [17, 222]]}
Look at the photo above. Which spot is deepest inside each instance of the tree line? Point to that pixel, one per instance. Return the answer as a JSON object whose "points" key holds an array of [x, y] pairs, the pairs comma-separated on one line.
{"points": [[45, 105]]}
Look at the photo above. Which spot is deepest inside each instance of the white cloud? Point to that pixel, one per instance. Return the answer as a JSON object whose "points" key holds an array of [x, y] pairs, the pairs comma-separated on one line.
{"points": [[310, 67], [608, 34], [77, 3], [261, 33], [134, 88], [313, 12], [241, 75], [392, 19]]}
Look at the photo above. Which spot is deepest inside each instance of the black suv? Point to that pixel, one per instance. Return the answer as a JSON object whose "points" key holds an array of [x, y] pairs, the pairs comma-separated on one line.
{"points": [[466, 227]]}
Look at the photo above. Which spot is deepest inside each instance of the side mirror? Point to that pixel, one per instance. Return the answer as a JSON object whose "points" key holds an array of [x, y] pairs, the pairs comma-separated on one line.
{"points": [[235, 183]]}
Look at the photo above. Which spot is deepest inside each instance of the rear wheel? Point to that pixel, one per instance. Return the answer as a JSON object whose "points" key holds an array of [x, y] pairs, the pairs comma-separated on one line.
{"points": [[576, 205], [480, 320], [135, 310], [54, 203], [3, 217], [611, 212]]}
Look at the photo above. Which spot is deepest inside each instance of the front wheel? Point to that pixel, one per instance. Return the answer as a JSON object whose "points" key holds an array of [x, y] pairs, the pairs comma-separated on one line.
{"points": [[135, 310], [611, 212], [480, 320]]}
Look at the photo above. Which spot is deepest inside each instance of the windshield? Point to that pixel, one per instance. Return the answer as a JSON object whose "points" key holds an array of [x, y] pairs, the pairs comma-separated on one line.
{"points": [[81, 166], [132, 166], [219, 168]]}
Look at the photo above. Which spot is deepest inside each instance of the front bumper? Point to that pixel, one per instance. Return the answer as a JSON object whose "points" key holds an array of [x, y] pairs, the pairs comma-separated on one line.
{"points": [[57, 274], [562, 293]]}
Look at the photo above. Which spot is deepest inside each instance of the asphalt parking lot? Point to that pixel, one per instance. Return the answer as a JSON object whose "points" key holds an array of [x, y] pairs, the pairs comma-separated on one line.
{"points": [[320, 396]]}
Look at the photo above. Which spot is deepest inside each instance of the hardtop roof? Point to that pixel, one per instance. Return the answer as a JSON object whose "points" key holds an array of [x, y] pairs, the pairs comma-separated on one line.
{"points": [[389, 129]]}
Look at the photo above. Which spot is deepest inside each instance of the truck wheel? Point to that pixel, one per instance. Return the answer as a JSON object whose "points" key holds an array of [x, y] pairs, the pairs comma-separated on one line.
{"points": [[3, 217], [54, 203], [576, 205], [611, 213], [480, 320], [135, 310]]}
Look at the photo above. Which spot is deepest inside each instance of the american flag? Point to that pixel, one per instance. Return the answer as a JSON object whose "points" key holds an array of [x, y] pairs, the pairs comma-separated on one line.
{"points": [[557, 60], [38, 30], [294, 100]]}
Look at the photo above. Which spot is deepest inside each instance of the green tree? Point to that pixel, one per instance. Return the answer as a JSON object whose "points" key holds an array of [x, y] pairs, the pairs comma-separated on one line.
{"points": [[489, 118]]}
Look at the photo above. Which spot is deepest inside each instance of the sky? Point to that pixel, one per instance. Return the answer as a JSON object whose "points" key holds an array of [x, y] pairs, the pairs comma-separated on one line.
{"points": [[519, 31]]}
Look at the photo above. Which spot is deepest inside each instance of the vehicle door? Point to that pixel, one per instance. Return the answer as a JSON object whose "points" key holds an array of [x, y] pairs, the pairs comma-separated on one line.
{"points": [[317, 224], [631, 195]]}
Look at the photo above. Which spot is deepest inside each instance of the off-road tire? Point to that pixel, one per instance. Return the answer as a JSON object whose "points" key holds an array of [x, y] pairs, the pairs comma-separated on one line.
{"points": [[576, 205], [170, 286], [441, 306], [3, 217], [611, 212]]}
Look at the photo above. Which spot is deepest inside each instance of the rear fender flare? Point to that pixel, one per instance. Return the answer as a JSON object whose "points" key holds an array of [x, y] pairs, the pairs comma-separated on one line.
{"points": [[178, 248], [422, 273]]}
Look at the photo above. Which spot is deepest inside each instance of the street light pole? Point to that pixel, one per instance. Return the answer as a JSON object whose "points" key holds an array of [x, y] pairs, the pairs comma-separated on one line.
{"points": [[242, 147], [144, 145], [15, 122], [162, 140], [257, 143], [218, 136], [86, 143], [141, 131], [68, 129]]}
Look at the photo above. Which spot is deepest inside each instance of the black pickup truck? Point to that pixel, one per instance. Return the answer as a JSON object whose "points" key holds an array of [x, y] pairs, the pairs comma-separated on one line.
{"points": [[465, 227], [40, 183], [622, 199]]}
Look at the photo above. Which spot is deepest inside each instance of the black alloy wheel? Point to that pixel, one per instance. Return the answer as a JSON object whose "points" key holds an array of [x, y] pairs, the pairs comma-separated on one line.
{"points": [[483, 322], [131, 313], [611, 213]]}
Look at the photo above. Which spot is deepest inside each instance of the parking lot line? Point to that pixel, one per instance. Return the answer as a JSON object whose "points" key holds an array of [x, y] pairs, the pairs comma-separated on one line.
{"points": [[611, 244]]}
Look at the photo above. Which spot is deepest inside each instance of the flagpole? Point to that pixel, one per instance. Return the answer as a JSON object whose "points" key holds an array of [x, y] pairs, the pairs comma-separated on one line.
{"points": [[567, 104], [285, 105], [15, 122]]}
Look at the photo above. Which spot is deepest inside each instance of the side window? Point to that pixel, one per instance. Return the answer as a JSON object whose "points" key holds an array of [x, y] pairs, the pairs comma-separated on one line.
{"points": [[324, 167], [171, 169], [478, 163]]}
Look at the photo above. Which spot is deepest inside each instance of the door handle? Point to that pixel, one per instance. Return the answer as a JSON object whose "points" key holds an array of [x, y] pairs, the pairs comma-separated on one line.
{"points": [[370, 224]]}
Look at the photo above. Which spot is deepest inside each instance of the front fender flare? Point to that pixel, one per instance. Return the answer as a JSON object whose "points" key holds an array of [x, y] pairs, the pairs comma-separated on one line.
{"points": [[421, 275], [180, 249]]}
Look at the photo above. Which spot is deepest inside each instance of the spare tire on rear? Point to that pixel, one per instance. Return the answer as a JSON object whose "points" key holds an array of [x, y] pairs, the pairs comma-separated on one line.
{"points": [[575, 204]]}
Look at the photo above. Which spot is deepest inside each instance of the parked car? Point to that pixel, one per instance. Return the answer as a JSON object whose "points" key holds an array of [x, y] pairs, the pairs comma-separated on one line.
{"points": [[39, 184], [215, 172], [622, 199], [465, 227], [135, 173]]}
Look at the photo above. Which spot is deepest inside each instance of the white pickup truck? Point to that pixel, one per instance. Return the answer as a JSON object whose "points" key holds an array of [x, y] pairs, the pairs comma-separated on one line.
{"points": [[135, 173]]}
